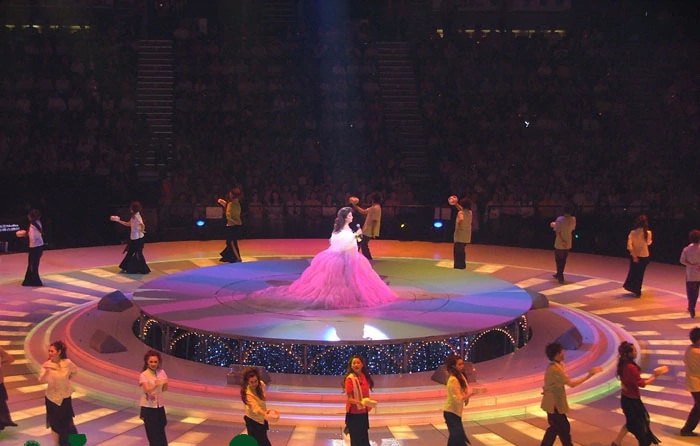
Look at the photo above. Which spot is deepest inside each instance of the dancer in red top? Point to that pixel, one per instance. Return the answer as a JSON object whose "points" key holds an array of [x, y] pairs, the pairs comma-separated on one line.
{"points": [[636, 415], [357, 384]]}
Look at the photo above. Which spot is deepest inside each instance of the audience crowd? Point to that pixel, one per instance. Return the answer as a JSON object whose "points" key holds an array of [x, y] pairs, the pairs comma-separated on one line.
{"points": [[295, 118]]}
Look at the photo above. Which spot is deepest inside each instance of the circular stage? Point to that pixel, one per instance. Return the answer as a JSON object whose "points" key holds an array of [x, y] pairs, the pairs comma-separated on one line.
{"points": [[203, 315]]}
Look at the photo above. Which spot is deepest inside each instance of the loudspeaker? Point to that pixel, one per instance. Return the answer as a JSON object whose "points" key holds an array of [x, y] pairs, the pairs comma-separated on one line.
{"points": [[101, 342], [539, 300], [571, 339], [115, 302], [550, 325]]}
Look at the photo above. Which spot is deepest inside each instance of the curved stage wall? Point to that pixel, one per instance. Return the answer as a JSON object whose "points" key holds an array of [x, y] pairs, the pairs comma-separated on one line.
{"points": [[200, 315]]}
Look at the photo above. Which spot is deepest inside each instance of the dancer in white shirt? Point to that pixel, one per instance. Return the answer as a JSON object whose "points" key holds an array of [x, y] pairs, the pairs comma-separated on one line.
{"points": [[35, 233], [153, 381], [134, 261], [57, 372]]}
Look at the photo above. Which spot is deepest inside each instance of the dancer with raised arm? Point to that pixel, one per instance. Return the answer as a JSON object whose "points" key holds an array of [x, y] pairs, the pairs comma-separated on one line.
{"points": [[554, 395], [134, 261], [373, 221], [234, 225], [35, 234], [463, 230]]}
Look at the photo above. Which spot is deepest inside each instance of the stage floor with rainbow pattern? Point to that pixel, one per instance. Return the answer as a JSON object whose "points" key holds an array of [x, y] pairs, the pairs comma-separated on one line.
{"points": [[433, 302], [78, 277]]}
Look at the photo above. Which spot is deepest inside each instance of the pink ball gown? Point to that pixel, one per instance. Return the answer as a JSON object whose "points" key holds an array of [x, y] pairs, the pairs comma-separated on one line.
{"points": [[338, 278]]}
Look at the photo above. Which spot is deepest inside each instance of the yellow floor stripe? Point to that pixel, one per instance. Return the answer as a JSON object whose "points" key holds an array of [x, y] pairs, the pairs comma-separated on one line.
{"points": [[15, 378], [669, 440], [57, 303], [531, 282], [665, 352], [688, 326], [19, 415], [64, 293], [656, 317], [488, 269], [604, 294], [683, 342], [652, 401], [205, 262], [668, 390], [171, 271], [15, 353], [304, 436], [402, 433], [34, 432], [445, 264], [99, 272], [13, 333], [8, 313], [193, 420], [80, 283], [561, 289], [644, 333], [592, 282], [669, 362], [528, 429], [190, 438], [660, 419], [123, 426], [491, 439], [616, 310], [14, 324], [93, 415], [533, 431], [32, 389], [104, 274]]}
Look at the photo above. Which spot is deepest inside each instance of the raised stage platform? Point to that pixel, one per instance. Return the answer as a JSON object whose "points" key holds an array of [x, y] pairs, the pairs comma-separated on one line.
{"points": [[203, 409], [204, 315]]}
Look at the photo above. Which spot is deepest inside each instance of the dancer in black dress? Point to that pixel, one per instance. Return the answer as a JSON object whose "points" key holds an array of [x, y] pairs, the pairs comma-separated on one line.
{"points": [[134, 262]]}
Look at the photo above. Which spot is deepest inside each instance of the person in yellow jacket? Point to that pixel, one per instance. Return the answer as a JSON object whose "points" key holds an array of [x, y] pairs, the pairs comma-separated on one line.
{"points": [[554, 395]]}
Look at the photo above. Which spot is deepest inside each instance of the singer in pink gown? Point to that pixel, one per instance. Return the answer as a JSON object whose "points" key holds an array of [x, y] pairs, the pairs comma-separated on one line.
{"points": [[338, 278]]}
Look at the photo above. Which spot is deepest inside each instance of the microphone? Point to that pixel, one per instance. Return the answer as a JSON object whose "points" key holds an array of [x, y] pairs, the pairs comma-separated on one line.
{"points": [[358, 232]]}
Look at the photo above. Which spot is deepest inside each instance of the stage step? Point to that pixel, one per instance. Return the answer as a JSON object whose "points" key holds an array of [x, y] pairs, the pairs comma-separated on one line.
{"points": [[200, 390]]}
